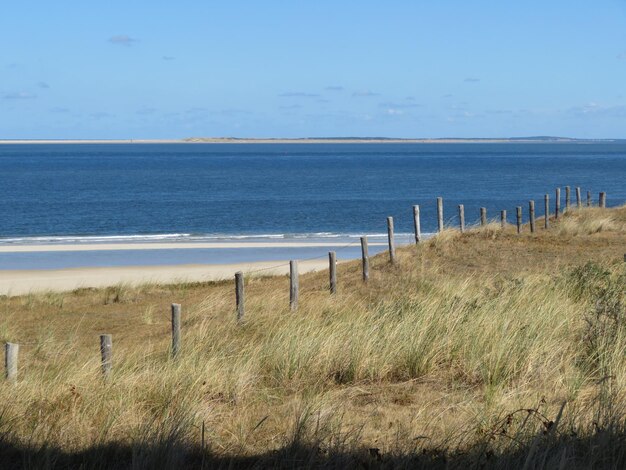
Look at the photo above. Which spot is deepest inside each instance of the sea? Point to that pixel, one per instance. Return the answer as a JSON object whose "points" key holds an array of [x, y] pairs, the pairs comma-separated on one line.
{"points": [[310, 193]]}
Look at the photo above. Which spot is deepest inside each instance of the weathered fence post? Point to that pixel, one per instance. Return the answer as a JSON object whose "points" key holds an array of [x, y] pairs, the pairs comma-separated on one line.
{"points": [[462, 218], [106, 354], [503, 219], [332, 271], [557, 204], [416, 224], [239, 295], [483, 216], [294, 285], [11, 351], [588, 198], [546, 223], [579, 200], [175, 329], [602, 202], [519, 219], [365, 258], [440, 214], [568, 196], [531, 215], [391, 241]]}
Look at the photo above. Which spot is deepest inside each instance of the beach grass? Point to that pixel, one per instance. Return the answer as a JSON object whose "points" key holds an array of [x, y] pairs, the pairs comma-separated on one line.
{"points": [[486, 349]]}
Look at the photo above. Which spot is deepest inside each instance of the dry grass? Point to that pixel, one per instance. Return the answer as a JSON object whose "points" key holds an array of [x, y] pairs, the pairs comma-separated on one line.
{"points": [[460, 356]]}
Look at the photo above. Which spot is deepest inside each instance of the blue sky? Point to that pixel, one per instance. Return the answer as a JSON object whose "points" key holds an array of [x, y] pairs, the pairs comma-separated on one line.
{"points": [[157, 69]]}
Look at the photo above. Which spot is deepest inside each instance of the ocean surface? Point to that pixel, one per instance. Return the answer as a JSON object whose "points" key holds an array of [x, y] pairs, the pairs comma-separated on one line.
{"points": [[86, 193]]}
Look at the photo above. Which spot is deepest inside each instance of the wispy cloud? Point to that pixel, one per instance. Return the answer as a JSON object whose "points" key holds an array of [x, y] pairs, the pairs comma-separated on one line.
{"points": [[621, 56], [291, 107], [364, 94], [334, 88], [597, 110], [43, 85], [298, 94], [168, 57], [448, 95], [59, 110], [19, 95], [123, 40], [472, 80], [146, 111], [389, 104], [100, 115]]}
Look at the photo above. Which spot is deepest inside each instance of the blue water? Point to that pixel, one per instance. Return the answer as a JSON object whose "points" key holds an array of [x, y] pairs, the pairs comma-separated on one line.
{"points": [[196, 191], [234, 189]]}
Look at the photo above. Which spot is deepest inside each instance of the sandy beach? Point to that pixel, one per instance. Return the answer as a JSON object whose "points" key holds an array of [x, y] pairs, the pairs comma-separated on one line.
{"points": [[17, 282]]}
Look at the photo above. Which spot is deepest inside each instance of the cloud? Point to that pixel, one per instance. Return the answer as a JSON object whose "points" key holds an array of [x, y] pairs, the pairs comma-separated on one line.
{"points": [[334, 88], [394, 112], [448, 95], [596, 110], [43, 85], [472, 80], [59, 110], [146, 111], [388, 104], [364, 94], [168, 57], [100, 115], [19, 95], [293, 106], [621, 56], [410, 98], [298, 94], [122, 40], [322, 100]]}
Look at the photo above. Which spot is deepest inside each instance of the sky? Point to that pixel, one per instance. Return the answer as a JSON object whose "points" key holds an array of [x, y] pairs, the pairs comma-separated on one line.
{"points": [[163, 69]]}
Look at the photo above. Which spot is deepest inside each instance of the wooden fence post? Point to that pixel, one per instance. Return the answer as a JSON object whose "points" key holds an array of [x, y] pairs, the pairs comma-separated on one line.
{"points": [[588, 198], [579, 199], [557, 204], [391, 241], [239, 295], [546, 223], [294, 285], [568, 196], [440, 214], [602, 203], [531, 215], [519, 219], [106, 354], [416, 223], [503, 219], [483, 216], [332, 271], [11, 351], [365, 258], [175, 329], [462, 218]]}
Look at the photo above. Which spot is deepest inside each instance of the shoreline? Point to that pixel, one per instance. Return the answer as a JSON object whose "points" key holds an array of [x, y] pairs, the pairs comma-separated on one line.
{"points": [[20, 282], [228, 140]]}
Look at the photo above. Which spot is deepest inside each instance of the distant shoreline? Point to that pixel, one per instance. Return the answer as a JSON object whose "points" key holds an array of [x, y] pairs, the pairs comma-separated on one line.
{"points": [[315, 140]]}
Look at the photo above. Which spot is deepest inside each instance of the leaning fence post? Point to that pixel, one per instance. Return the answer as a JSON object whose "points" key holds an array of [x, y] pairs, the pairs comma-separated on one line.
{"points": [[462, 218], [294, 285], [175, 329], [531, 214], [11, 351], [440, 214], [106, 353], [239, 295], [519, 219], [588, 198], [557, 204], [546, 223], [503, 219], [602, 200], [391, 241], [332, 271], [483, 216], [416, 223], [568, 196], [365, 258], [579, 200]]}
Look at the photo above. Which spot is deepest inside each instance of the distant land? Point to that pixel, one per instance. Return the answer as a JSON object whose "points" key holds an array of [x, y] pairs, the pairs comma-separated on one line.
{"points": [[320, 140]]}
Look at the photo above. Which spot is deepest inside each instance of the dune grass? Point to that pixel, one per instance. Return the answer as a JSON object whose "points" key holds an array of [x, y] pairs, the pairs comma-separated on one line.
{"points": [[482, 349]]}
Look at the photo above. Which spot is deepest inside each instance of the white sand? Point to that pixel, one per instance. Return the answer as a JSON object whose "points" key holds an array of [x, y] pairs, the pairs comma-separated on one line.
{"points": [[17, 282]]}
